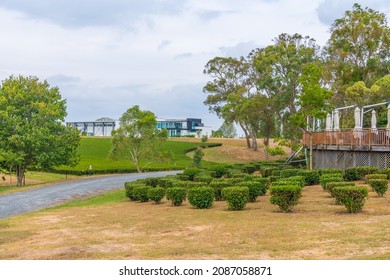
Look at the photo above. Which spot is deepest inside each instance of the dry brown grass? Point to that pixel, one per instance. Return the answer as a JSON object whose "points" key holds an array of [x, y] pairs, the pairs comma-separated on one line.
{"points": [[318, 229], [234, 150]]}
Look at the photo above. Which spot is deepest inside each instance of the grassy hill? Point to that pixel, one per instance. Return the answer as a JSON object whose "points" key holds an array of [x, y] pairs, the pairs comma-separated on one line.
{"points": [[95, 151]]}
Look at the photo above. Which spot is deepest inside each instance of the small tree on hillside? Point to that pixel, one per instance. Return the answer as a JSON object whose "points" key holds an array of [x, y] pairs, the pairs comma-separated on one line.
{"points": [[228, 130], [138, 139], [31, 131]]}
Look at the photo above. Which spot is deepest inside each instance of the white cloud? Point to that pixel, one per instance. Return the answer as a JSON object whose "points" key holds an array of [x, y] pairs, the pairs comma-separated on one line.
{"points": [[329, 10], [108, 55]]}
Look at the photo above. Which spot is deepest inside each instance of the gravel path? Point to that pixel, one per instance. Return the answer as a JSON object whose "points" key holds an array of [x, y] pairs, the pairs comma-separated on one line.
{"points": [[28, 201]]}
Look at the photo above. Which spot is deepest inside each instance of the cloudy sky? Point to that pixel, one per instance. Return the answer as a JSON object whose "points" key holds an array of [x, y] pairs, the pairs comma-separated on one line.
{"points": [[108, 55]]}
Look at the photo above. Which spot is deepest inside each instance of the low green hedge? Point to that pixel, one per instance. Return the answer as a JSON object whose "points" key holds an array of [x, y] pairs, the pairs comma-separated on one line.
{"points": [[353, 198], [236, 197], [141, 193], [358, 173], [129, 188], [201, 197], [330, 178], [326, 171], [249, 168], [311, 177], [331, 185], [369, 177], [255, 189], [202, 178], [191, 172], [286, 173], [217, 186], [286, 197], [176, 195], [379, 186], [156, 194]]}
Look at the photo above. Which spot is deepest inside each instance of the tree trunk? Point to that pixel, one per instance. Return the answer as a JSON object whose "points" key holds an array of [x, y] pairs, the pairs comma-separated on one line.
{"points": [[254, 142], [248, 142], [20, 175]]}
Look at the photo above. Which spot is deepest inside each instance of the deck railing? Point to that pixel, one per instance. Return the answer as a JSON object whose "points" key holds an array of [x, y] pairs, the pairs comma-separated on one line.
{"points": [[349, 137]]}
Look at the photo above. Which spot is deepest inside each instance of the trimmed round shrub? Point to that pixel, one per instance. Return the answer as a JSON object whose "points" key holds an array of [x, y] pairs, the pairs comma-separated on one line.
{"points": [[203, 178], [218, 171], [217, 186], [129, 188], [201, 197], [262, 181], [365, 170], [183, 177], [249, 168], [369, 177], [331, 185], [285, 173], [286, 197], [176, 195], [330, 171], [152, 181], [351, 174], [330, 178], [255, 190], [379, 186], [267, 171], [166, 182], [353, 198], [156, 194], [236, 197], [141, 193], [191, 172], [385, 171], [312, 177], [191, 184], [179, 184]]}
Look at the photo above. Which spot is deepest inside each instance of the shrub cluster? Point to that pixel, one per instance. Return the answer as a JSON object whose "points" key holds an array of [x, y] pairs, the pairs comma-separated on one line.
{"points": [[201, 197], [217, 186], [379, 186], [236, 197], [286, 197], [352, 197]]}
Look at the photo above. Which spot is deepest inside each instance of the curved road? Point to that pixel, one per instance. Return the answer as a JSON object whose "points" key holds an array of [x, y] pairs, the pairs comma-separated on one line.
{"points": [[28, 201]]}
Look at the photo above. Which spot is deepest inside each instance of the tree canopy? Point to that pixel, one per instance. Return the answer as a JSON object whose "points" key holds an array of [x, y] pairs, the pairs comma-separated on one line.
{"points": [[137, 139], [279, 88], [32, 133]]}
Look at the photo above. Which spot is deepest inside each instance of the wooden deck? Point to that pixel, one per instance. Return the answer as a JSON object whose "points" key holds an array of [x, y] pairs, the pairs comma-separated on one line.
{"points": [[365, 138]]}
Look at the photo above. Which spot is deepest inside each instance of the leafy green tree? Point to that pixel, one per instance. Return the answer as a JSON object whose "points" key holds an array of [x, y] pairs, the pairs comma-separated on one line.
{"points": [[279, 68], [228, 130], [358, 50], [32, 134], [314, 99], [362, 95], [138, 139], [197, 158], [229, 82]]}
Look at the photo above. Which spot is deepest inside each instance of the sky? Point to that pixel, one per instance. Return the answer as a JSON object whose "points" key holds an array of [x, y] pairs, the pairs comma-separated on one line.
{"points": [[109, 55]]}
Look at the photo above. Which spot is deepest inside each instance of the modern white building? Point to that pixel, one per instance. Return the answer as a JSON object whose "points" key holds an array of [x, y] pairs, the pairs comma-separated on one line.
{"points": [[105, 126]]}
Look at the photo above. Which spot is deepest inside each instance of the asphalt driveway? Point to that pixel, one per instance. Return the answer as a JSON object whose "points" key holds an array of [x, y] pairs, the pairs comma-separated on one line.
{"points": [[28, 201]]}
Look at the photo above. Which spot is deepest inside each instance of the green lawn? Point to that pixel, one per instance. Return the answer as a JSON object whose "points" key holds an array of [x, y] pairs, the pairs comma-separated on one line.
{"points": [[95, 151]]}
